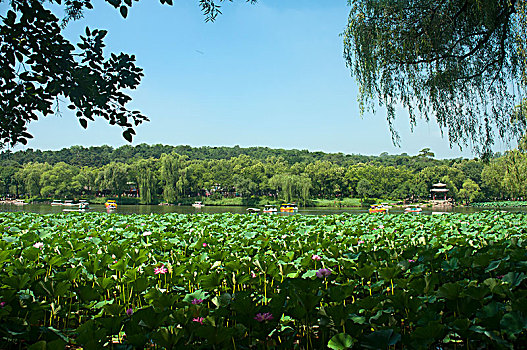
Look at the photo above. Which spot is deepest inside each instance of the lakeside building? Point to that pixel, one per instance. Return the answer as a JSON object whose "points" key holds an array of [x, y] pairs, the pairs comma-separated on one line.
{"points": [[439, 190]]}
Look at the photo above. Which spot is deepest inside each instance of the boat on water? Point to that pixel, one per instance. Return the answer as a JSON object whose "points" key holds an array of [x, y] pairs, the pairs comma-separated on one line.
{"points": [[253, 210], [82, 206], [376, 208], [268, 208], [13, 201], [56, 203], [289, 208], [69, 203], [198, 204], [110, 204], [413, 210]]}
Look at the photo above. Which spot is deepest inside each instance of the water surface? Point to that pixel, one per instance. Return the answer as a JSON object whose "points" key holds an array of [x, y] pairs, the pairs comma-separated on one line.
{"points": [[163, 209]]}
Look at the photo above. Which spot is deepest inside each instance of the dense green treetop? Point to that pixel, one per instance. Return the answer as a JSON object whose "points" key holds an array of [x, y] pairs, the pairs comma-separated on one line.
{"points": [[102, 155]]}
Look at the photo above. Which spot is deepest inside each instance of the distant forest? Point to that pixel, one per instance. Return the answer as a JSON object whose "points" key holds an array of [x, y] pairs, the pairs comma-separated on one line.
{"points": [[160, 173], [98, 156]]}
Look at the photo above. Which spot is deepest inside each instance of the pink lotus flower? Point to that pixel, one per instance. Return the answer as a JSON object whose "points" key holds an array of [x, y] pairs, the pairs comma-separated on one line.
{"points": [[323, 273], [2, 304], [197, 301], [267, 316], [38, 245], [360, 242], [198, 319], [160, 270], [316, 257], [129, 311], [253, 275], [411, 260], [204, 244]]}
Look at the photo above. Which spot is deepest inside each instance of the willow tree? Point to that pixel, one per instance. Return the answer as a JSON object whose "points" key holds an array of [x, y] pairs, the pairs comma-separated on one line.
{"points": [[515, 179], [114, 177], [292, 186], [145, 171], [30, 175], [460, 62], [170, 167]]}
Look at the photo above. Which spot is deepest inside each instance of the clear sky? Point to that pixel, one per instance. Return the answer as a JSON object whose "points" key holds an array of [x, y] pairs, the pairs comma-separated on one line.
{"points": [[270, 74]]}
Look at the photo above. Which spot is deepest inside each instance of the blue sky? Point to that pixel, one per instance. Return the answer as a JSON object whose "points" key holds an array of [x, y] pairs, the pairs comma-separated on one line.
{"points": [[270, 74]]}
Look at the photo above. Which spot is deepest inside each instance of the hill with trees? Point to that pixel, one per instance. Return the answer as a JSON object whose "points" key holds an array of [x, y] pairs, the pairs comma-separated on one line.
{"points": [[161, 173]]}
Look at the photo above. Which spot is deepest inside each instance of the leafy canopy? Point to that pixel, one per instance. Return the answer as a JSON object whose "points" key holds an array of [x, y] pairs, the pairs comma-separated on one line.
{"points": [[39, 67], [461, 62]]}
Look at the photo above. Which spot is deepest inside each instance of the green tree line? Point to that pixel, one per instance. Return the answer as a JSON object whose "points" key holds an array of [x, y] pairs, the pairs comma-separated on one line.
{"points": [[155, 175], [97, 156]]}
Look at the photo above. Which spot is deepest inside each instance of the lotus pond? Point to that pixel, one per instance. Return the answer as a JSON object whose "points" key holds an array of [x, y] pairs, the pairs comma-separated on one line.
{"points": [[500, 204], [248, 282]]}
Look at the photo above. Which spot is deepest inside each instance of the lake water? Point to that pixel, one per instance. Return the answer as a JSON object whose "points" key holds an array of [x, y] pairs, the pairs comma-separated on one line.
{"points": [[159, 209]]}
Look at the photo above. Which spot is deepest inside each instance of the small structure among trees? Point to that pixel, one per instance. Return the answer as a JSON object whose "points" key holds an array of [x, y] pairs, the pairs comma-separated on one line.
{"points": [[439, 190]]}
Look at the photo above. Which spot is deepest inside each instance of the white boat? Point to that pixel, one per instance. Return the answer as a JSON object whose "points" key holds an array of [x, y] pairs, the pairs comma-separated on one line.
{"points": [[198, 204], [413, 210], [56, 203], [82, 207], [253, 210], [268, 208], [69, 203]]}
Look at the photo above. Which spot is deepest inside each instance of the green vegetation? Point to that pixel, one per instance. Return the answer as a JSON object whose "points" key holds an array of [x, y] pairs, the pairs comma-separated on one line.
{"points": [[504, 204], [340, 202], [245, 281], [460, 62], [254, 176]]}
